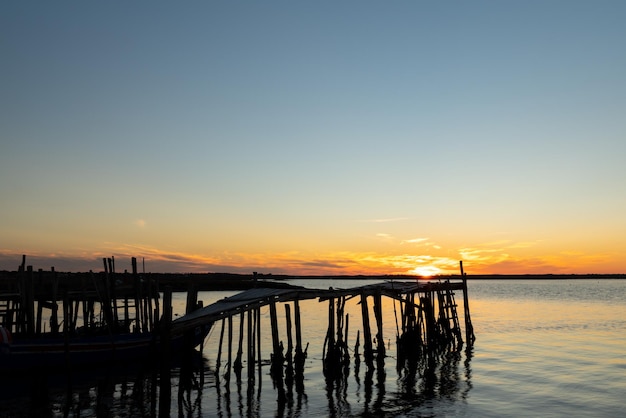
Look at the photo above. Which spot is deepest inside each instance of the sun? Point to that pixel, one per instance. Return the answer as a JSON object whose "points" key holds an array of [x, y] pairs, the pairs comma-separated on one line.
{"points": [[425, 271]]}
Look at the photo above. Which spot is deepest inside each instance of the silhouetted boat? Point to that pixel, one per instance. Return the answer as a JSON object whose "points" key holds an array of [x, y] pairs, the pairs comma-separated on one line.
{"points": [[48, 352]]}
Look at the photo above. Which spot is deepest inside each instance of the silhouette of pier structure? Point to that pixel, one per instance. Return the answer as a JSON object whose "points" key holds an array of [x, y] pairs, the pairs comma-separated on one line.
{"points": [[429, 325], [426, 315]]}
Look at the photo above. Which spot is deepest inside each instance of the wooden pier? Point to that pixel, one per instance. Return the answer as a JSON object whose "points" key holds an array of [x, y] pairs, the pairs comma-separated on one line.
{"points": [[426, 318], [78, 303], [427, 322]]}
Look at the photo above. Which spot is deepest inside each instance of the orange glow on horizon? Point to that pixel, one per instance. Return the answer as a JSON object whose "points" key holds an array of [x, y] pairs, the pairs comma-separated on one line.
{"points": [[487, 259]]}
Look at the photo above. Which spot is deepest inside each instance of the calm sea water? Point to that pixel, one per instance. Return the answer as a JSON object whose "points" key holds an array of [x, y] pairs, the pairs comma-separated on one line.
{"points": [[544, 348]]}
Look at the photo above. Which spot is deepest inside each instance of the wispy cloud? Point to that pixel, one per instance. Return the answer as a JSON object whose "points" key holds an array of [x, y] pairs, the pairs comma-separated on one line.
{"points": [[414, 240], [385, 237], [382, 220]]}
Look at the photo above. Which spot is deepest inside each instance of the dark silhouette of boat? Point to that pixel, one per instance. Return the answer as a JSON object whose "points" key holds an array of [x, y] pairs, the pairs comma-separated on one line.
{"points": [[48, 352]]}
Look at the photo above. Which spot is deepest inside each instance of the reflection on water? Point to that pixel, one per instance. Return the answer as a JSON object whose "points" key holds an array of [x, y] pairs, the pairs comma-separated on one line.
{"points": [[195, 390], [129, 390], [359, 392]]}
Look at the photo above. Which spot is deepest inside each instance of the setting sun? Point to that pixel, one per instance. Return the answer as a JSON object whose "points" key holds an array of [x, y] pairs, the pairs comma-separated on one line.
{"points": [[425, 271]]}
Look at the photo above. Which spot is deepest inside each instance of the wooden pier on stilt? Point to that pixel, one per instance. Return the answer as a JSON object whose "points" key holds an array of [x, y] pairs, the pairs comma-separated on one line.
{"points": [[425, 312], [112, 305]]}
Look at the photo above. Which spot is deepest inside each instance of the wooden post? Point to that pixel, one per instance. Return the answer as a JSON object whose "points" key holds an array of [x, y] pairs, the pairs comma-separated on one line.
{"points": [[378, 313], [289, 355], [330, 335], [166, 323], [298, 327], [429, 317], [237, 364], [367, 335], [137, 290], [192, 298], [105, 299], [155, 290], [29, 302], [149, 300], [85, 303], [345, 338], [219, 350], [39, 314], [300, 355], [469, 328], [250, 349], [230, 347], [75, 315], [166, 320], [54, 315], [277, 356], [113, 290], [257, 312]]}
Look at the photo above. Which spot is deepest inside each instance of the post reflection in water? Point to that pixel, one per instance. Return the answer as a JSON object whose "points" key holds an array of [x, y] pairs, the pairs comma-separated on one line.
{"points": [[359, 390], [435, 376]]}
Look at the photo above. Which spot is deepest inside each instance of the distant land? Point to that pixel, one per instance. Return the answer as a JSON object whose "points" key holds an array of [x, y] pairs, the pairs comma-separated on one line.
{"points": [[234, 281]]}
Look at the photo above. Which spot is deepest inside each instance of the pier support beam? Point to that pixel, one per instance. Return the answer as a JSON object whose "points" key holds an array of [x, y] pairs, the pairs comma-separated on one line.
{"points": [[469, 328], [378, 313], [367, 334]]}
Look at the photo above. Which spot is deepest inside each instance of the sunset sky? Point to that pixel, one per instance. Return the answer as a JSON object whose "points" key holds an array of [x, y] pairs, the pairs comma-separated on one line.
{"points": [[319, 137]]}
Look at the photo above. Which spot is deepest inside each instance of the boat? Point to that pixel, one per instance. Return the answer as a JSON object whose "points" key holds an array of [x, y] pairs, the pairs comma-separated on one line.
{"points": [[52, 353]]}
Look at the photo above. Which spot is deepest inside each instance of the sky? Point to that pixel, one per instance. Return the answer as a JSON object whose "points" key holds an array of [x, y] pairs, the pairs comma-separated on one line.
{"points": [[319, 137]]}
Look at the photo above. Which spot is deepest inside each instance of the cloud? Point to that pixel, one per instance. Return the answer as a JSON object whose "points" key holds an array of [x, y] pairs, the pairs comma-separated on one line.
{"points": [[384, 237], [501, 257], [414, 240], [323, 264], [383, 220]]}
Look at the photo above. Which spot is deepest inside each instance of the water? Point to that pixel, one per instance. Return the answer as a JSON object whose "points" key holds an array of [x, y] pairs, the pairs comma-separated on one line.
{"points": [[544, 348]]}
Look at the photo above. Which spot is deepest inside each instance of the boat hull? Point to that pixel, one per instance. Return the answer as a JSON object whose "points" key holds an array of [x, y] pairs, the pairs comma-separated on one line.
{"points": [[48, 353]]}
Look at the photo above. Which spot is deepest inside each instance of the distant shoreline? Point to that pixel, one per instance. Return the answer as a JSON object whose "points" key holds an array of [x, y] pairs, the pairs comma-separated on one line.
{"points": [[179, 282]]}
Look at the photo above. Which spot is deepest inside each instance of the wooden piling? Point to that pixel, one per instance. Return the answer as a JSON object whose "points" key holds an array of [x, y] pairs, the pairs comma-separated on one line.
{"points": [[277, 356], [330, 335], [230, 347], [429, 318], [367, 335], [29, 301], [166, 320], [469, 328], [113, 291], [192, 298], [165, 331], [237, 366], [250, 348], [219, 349], [54, 315], [257, 312], [289, 354], [378, 313], [138, 299], [300, 355]]}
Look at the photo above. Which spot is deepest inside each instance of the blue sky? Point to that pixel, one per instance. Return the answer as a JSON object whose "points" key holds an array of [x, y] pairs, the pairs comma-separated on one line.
{"points": [[357, 136]]}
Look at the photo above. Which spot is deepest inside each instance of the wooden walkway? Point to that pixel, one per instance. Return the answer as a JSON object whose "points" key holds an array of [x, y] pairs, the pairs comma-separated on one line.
{"points": [[428, 322]]}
